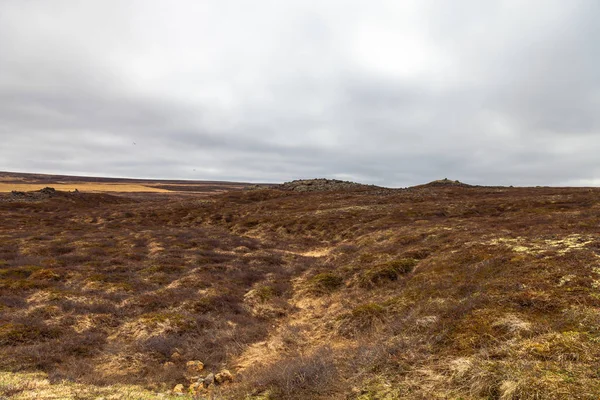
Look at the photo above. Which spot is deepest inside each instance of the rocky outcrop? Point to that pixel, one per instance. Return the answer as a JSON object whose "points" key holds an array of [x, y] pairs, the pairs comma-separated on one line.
{"points": [[197, 383], [37, 195], [324, 185], [443, 183]]}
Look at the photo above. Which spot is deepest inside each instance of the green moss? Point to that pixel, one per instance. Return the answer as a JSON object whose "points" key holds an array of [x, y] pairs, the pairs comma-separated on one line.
{"points": [[325, 282], [168, 269], [265, 293], [368, 310], [379, 388]]}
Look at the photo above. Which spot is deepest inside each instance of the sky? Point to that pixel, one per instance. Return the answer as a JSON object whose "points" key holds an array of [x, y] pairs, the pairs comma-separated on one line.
{"points": [[392, 93]]}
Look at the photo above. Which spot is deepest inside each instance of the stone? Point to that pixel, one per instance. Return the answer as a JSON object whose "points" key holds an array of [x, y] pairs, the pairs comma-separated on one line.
{"points": [[178, 389], [193, 367], [48, 191], [168, 365], [176, 356], [194, 387], [209, 380], [223, 377]]}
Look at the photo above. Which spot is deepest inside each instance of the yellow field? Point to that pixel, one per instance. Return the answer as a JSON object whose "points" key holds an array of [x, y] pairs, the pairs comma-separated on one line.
{"points": [[27, 386], [81, 186]]}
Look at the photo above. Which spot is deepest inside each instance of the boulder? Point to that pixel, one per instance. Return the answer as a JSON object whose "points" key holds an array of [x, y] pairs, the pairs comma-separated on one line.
{"points": [[168, 365], [195, 388], [194, 367], [223, 377], [209, 380], [178, 389]]}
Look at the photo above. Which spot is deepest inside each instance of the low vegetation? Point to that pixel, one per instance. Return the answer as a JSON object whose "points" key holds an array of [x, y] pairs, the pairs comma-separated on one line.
{"points": [[442, 291]]}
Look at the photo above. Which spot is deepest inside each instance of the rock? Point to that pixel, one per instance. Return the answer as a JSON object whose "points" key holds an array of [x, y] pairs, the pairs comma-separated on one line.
{"points": [[324, 185], [223, 377], [168, 365], [176, 356], [193, 367], [48, 191], [209, 380], [178, 389], [195, 387]]}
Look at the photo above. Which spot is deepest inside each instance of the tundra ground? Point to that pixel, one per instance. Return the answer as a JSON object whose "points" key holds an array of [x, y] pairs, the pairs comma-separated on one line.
{"points": [[435, 292]]}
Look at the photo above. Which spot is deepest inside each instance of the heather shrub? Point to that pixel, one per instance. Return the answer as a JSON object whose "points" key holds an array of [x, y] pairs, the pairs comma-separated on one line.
{"points": [[296, 377], [325, 282], [386, 272], [363, 318]]}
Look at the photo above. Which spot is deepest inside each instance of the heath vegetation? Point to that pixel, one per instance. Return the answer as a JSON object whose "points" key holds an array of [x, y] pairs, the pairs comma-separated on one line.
{"points": [[342, 292]]}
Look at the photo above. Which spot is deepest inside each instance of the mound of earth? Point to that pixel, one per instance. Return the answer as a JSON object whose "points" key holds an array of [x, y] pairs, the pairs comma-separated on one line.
{"points": [[324, 185], [443, 183]]}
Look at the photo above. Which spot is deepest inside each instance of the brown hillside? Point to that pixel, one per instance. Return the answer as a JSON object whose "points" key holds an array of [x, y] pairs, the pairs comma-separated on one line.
{"points": [[437, 292]]}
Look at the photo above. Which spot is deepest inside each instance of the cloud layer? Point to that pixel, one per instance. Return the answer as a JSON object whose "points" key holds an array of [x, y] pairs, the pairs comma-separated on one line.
{"points": [[387, 92]]}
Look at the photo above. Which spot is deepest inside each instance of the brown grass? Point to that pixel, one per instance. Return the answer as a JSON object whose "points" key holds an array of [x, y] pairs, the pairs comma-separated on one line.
{"points": [[434, 292]]}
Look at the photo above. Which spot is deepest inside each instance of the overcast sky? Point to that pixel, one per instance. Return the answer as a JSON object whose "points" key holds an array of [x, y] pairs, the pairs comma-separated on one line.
{"points": [[394, 93]]}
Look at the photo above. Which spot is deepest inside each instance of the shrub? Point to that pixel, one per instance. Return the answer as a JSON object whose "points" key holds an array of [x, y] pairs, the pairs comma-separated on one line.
{"points": [[178, 322], [299, 377], [45, 275], [19, 272], [325, 282], [386, 272], [163, 346], [363, 318], [17, 333], [265, 293], [418, 253], [84, 344]]}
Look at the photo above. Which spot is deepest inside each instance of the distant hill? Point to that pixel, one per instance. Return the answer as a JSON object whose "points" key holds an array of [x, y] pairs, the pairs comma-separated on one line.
{"points": [[443, 183]]}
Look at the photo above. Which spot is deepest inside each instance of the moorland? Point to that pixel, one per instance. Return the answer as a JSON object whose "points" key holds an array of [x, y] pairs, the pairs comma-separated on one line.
{"points": [[314, 289]]}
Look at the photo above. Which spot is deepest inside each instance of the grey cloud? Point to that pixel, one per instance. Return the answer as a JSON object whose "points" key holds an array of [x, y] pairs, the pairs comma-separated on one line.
{"points": [[392, 93]]}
